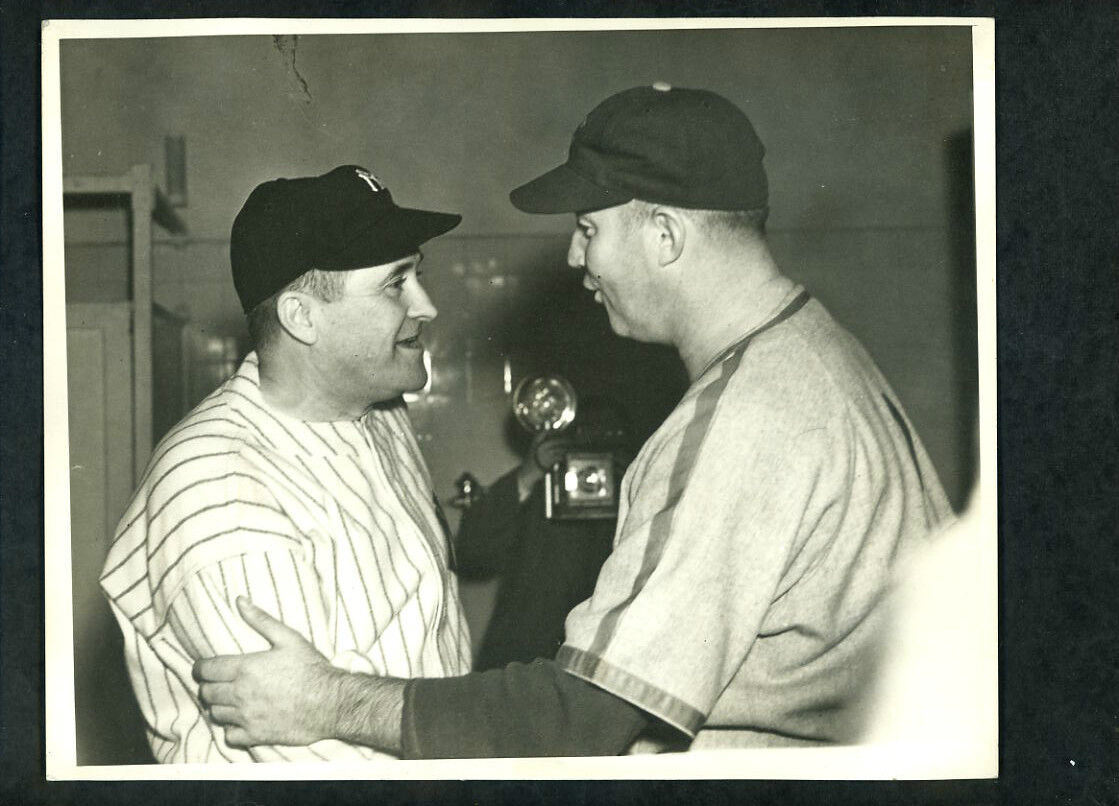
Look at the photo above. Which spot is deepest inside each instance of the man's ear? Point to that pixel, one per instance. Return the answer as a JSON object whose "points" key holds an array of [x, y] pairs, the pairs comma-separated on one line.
{"points": [[293, 309], [670, 230]]}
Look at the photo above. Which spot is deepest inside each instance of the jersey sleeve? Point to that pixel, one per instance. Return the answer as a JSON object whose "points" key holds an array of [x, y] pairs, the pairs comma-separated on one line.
{"points": [[197, 510], [715, 515], [204, 619]]}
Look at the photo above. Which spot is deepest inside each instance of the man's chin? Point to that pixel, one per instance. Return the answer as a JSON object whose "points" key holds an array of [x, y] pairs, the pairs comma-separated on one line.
{"points": [[417, 383], [621, 330], [619, 327]]}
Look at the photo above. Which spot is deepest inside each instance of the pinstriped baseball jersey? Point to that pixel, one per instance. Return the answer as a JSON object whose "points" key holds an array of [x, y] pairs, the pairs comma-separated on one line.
{"points": [[757, 531], [330, 526]]}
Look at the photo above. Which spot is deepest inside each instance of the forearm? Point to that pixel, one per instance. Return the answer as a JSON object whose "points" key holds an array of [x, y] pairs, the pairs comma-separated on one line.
{"points": [[534, 709], [522, 710], [362, 709]]}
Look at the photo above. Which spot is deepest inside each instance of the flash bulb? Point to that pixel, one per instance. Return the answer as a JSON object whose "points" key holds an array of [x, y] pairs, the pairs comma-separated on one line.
{"points": [[544, 403]]}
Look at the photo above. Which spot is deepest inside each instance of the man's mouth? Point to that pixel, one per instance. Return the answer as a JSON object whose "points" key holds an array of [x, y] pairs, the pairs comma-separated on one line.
{"points": [[411, 343]]}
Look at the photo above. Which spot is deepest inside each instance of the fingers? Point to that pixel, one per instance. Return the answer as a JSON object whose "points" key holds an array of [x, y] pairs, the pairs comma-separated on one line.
{"points": [[276, 632], [225, 715], [222, 668], [236, 736], [217, 694]]}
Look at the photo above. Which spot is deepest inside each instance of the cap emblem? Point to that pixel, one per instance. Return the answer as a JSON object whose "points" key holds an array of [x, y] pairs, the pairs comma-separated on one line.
{"points": [[371, 179]]}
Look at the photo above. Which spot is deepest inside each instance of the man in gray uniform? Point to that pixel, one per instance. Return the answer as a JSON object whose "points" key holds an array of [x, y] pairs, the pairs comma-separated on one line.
{"points": [[758, 527]]}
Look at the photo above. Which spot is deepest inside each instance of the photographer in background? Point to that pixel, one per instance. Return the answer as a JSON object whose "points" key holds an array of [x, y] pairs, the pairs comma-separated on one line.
{"points": [[545, 566]]}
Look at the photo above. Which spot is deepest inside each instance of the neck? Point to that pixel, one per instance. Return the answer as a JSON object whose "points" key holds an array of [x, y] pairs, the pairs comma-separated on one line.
{"points": [[290, 384], [732, 293]]}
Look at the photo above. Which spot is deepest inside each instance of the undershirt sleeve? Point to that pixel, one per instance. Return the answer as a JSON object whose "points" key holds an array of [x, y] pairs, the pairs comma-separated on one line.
{"points": [[523, 710]]}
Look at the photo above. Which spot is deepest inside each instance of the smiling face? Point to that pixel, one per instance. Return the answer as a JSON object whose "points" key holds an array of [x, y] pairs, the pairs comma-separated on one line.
{"points": [[612, 248], [368, 347]]}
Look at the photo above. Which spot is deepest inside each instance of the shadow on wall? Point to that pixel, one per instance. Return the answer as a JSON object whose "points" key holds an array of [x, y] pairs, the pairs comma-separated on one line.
{"points": [[962, 293], [115, 734]]}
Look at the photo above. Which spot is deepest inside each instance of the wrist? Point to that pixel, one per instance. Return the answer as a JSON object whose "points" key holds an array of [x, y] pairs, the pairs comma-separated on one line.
{"points": [[331, 705], [368, 710]]}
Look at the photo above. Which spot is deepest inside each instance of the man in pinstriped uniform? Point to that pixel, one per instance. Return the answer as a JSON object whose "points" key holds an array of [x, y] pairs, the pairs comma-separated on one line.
{"points": [[741, 605], [298, 483]]}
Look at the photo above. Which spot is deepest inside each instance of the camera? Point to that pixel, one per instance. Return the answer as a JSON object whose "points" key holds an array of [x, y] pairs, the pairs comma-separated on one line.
{"points": [[582, 484]]}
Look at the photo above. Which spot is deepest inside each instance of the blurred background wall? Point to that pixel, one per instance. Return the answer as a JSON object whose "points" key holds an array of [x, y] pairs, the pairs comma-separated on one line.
{"points": [[868, 139]]}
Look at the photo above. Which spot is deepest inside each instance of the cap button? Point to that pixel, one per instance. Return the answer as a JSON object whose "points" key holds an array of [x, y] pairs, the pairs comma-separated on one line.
{"points": [[661, 86]]}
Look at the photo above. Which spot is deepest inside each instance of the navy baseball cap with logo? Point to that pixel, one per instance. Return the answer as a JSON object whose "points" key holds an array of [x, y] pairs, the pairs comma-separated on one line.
{"points": [[660, 144], [344, 219]]}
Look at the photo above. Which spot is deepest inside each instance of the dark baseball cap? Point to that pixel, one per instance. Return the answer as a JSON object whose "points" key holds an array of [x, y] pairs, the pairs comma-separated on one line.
{"points": [[661, 144], [344, 219]]}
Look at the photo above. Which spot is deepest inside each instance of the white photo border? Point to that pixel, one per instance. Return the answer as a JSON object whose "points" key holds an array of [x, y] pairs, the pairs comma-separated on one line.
{"points": [[861, 762]]}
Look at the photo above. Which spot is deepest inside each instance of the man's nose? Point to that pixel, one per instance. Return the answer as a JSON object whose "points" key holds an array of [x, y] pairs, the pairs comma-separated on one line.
{"points": [[576, 252], [420, 305]]}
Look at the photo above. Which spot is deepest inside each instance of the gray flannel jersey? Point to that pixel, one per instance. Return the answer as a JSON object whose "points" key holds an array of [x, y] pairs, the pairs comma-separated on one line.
{"points": [[757, 533]]}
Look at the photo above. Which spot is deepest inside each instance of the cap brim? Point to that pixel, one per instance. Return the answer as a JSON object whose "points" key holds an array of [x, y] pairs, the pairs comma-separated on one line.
{"points": [[562, 190], [393, 237], [426, 224]]}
